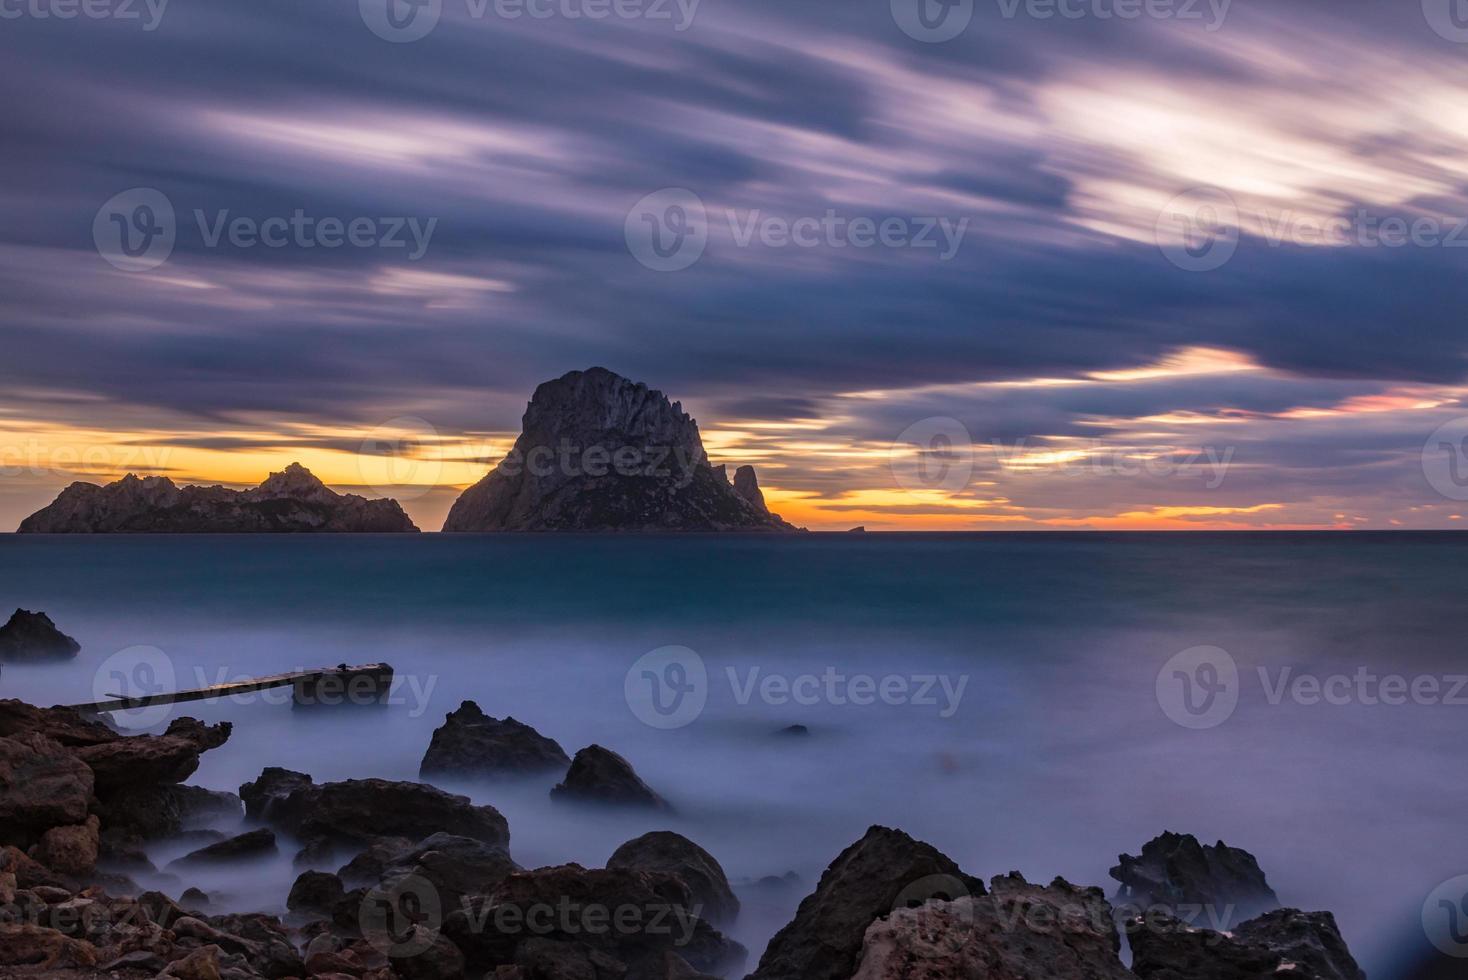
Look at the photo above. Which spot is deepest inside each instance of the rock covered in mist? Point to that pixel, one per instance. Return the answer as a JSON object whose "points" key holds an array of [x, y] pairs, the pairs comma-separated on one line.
{"points": [[599, 775], [884, 870], [250, 844], [1018, 931], [1174, 870], [1285, 943], [292, 500], [32, 636], [663, 850], [471, 743], [598, 452]]}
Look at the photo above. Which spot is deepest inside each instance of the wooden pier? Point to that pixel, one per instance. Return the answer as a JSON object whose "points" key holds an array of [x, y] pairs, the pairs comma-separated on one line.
{"points": [[363, 684]]}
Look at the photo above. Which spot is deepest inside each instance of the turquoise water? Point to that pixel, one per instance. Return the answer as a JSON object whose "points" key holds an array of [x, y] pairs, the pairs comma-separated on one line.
{"points": [[1025, 727]]}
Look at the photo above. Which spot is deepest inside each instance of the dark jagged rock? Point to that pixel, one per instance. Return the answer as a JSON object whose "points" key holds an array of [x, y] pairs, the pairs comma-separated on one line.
{"points": [[1019, 931], [1175, 870], [42, 785], [172, 757], [363, 810], [471, 743], [32, 636], [746, 484], [252, 843], [656, 918], [599, 775], [663, 850], [153, 811], [292, 500], [598, 452], [824, 940], [454, 866], [1283, 943], [793, 730], [316, 891]]}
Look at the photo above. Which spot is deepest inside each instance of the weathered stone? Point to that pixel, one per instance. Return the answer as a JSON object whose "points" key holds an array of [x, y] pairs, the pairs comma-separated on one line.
{"points": [[1174, 870], [292, 500], [824, 940], [663, 850], [251, 844], [42, 785], [454, 866], [32, 636], [599, 775], [315, 891], [598, 452], [128, 761], [71, 850], [1283, 943], [200, 964], [25, 944], [471, 743], [269, 789]]}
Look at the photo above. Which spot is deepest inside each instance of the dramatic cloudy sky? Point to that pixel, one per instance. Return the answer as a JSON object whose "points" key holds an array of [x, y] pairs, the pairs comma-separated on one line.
{"points": [[1278, 347]]}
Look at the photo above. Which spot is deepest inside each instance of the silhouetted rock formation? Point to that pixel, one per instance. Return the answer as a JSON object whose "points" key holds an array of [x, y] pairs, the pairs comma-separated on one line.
{"points": [[1174, 870], [599, 775], [471, 743], [1283, 943], [601, 453], [289, 501], [663, 850], [32, 636]]}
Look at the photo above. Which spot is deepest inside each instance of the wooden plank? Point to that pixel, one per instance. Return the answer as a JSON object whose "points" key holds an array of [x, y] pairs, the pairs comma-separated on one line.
{"points": [[296, 678]]}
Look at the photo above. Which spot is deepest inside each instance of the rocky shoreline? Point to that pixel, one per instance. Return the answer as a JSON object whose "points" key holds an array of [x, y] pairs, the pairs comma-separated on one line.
{"points": [[404, 880]]}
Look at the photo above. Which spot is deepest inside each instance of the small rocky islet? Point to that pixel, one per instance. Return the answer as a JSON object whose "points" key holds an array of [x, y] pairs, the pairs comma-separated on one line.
{"points": [[405, 880]]}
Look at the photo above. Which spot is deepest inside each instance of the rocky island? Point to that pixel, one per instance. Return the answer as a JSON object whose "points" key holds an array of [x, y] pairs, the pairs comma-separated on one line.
{"points": [[290, 501], [598, 452]]}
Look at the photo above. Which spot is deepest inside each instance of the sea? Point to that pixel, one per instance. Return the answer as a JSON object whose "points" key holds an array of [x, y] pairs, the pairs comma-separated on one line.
{"points": [[1036, 702]]}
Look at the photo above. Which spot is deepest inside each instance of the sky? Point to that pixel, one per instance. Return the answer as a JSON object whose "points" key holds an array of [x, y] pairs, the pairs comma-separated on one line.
{"points": [[975, 264]]}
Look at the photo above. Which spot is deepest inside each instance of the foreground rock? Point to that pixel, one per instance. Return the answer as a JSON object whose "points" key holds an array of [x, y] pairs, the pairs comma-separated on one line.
{"points": [[292, 500], [1017, 932], [598, 452], [665, 851], [251, 844], [360, 811], [1174, 870], [599, 775], [471, 743], [824, 940], [31, 636], [574, 922], [42, 785], [454, 866], [1283, 943]]}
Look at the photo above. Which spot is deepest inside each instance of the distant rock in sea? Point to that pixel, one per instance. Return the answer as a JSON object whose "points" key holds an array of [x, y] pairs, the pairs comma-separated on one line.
{"points": [[292, 500], [598, 452], [32, 636]]}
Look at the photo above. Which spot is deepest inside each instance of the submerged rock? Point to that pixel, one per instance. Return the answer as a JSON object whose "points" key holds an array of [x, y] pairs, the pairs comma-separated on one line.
{"points": [[292, 500], [598, 452], [1174, 870], [1019, 931], [599, 775], [471, 743], [32, 636], [880, 872], [1283, 943], [663, 850]]}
